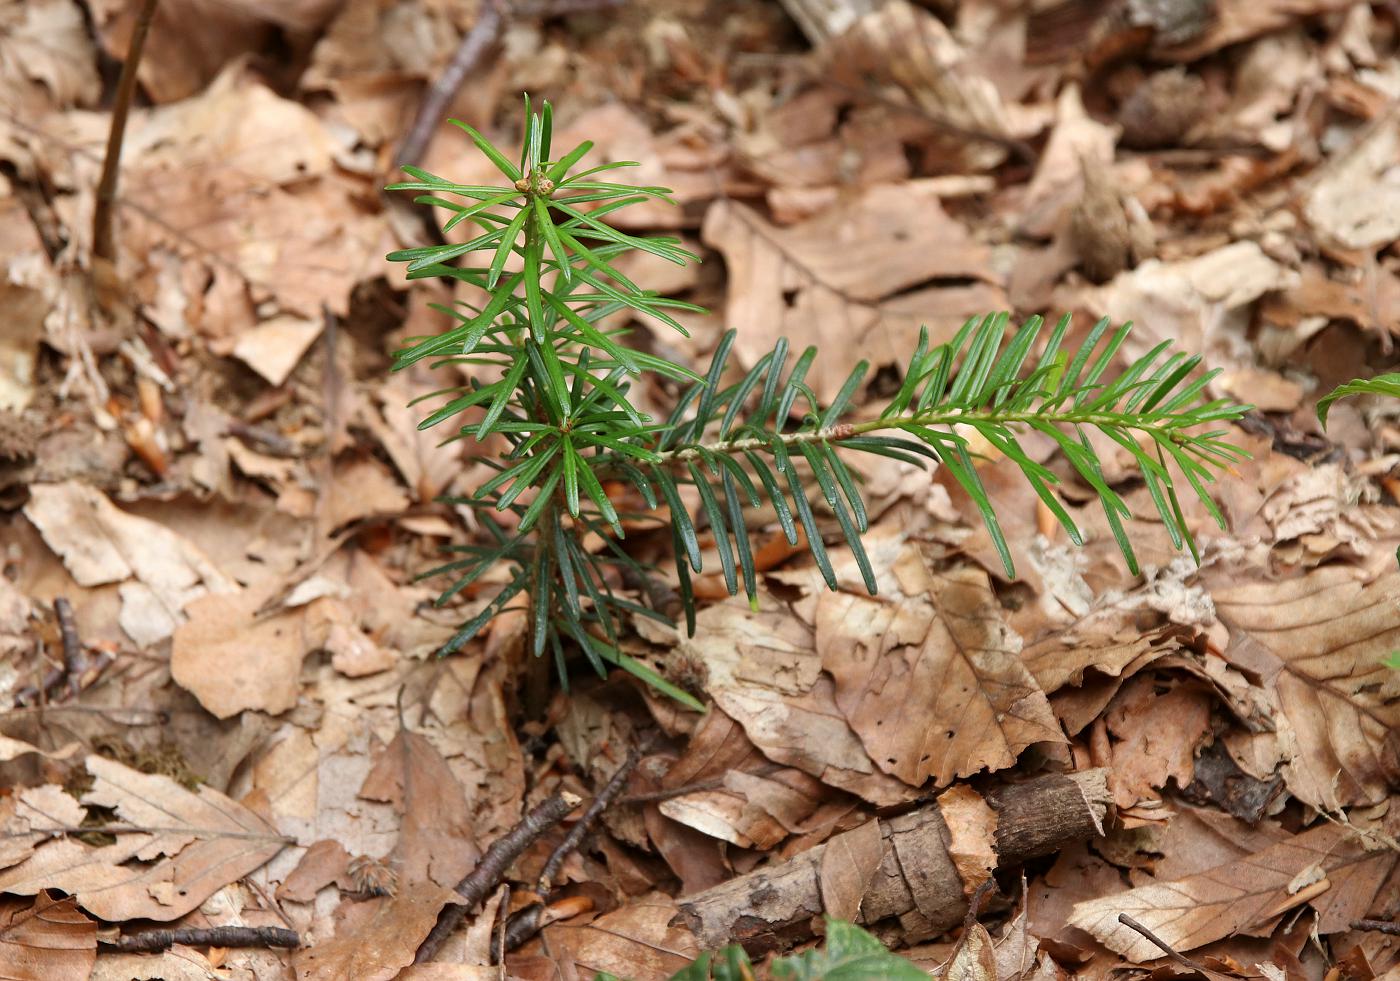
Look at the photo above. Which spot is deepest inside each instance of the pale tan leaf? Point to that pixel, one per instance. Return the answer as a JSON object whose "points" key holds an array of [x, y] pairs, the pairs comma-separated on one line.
{"points": [[30, 817], [100, 543], [1318, 642], [47, 940], [184, 847], [232, 660], [932, 681], [176, 964], [975, 958], [849, 861], [1224, 900]]}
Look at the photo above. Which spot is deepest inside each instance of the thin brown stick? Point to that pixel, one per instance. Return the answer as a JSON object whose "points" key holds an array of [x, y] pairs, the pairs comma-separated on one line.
{"points": [[148, 941], [73, 661], [103, 241], [1378, 926], [493, 867], [1161, 944], [576, 834], [474, 44]]}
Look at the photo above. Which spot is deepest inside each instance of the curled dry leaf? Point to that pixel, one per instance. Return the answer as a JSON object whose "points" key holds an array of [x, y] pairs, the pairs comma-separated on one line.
{"points": [[972, 830], [183, 848], [47, 940], [1221, 901], [637, 941], [1318, 643]]}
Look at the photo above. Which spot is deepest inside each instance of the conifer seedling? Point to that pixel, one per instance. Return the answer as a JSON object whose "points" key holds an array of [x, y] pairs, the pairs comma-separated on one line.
{"points": [[553, 382]]}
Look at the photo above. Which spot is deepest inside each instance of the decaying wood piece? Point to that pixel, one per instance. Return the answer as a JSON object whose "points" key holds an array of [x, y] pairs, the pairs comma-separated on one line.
{"points": [[917, 881]]}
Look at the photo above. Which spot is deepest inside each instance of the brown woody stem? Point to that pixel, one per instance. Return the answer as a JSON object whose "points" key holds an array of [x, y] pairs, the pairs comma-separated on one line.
{"points": [[103, 241]]}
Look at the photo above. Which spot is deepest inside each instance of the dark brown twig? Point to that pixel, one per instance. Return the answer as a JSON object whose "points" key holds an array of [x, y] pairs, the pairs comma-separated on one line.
{"points": [[103, 242], [148, 941], [74, 663], [474, 44], [576, 834], [1161, 944], [493, 867], [1379, 926]]}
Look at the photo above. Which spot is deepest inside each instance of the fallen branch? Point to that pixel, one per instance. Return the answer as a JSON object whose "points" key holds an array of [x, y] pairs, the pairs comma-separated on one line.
{"points": [[917, 881], [150, 941], [492, 868]]}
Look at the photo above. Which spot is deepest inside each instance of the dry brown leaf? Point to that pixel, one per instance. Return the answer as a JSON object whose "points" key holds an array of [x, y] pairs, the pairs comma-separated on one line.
{"points": [[637, 940], [47, 940], [179, 963], [183, 848], [31, 817], [1317, 643], [425, 465], [972, 829], [800, 283], [929, 674], [975, 958], [232, 660], [1158, 732], [1240, 20], [376, 939], [849, 862], [274, 347], [160, 571], [1227, 899], [763, 672], [1077, 139]]}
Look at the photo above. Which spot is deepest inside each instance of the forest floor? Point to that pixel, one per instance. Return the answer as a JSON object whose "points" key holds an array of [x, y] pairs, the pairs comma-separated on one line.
{"points": [[218, 699]]}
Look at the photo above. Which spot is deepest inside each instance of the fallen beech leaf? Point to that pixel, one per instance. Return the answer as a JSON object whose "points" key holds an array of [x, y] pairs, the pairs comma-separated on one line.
{"points": [[1224, 900], [849, 861], [183, 848], [763, 672], [176, 964], [972, 835], [975, 959], [636, 941], [274, 347], [47, 940], [376, 939], [932, 680], [1317, 643], [1158, 733], [100, 543], [231, 660]]}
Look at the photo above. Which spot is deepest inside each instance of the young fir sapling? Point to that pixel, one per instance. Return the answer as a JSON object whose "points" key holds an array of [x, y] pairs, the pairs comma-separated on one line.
{"points": [[554, 385]]}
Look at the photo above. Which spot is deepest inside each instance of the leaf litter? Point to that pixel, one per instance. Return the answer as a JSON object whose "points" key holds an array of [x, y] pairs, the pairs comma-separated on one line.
{"points": [[207, 460]]}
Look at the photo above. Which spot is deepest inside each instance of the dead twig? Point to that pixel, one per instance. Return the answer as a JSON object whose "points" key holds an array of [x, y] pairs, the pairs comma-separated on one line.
{"points": [[103, 241], [493, 866], [474, 44], [576, 834], [1161, 944], [1377, 926], [148, 941], [74, 663]]}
